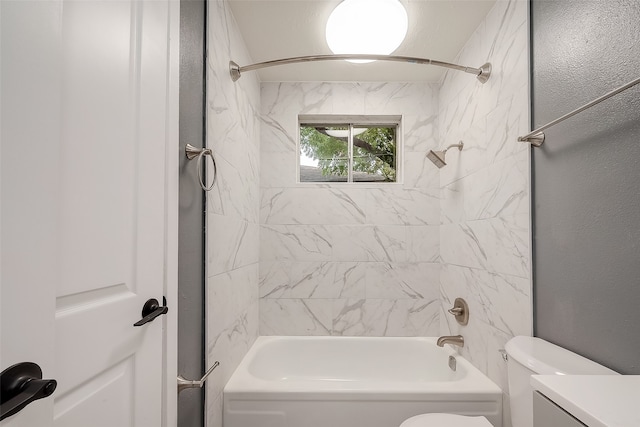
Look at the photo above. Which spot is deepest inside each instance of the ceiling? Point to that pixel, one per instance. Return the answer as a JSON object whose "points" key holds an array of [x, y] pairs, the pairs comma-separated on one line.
{"points": [[275, 29]]}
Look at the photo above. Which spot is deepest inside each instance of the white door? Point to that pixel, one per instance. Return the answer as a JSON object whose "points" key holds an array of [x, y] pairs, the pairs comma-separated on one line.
{"points": [[87, 122]]}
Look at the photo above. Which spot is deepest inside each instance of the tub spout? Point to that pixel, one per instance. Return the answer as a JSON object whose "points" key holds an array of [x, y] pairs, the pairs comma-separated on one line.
{"points": [[451, 339]]}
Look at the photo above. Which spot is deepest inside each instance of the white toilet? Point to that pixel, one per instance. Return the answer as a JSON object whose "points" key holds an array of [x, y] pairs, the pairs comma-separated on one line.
{"points": [[526, 356]]}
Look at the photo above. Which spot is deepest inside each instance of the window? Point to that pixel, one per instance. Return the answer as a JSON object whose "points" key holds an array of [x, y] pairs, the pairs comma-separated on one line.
{"points": [[358, 151]]}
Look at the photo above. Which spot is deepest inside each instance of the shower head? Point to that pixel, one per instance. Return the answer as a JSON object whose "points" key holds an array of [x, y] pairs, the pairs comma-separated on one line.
{"points": [[437, 157]]}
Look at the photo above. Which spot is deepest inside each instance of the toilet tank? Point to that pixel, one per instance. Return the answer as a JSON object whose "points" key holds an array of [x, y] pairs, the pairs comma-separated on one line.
{"points": [[534, 356]]}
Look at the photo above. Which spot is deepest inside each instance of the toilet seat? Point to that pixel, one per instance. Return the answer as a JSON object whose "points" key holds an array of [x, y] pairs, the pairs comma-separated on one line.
{"points": [[445, 420]]}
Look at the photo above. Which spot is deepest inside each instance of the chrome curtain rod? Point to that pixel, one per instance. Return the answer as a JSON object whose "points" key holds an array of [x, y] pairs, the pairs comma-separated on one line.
{"points": [[482, 74], [536, 137]]}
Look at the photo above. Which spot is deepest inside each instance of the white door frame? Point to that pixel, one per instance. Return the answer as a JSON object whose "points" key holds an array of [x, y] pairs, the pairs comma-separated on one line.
{"points": [[170, 404]]}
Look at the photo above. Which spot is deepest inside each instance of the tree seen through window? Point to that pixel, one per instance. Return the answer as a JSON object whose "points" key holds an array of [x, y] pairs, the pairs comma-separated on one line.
{"points": [[327, 152]]}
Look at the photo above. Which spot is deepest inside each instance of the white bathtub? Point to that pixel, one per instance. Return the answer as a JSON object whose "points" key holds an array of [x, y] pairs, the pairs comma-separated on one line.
{"points": [[353, 382]]}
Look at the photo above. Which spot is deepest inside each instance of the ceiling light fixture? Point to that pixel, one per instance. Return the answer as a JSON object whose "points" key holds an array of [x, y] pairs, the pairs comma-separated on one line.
{"points": [[366, 27]]}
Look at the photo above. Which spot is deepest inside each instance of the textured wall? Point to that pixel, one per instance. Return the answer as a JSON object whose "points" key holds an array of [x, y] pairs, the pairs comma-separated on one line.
{"points": [[233, 132], [485, 230], [587, 204], [347, 259]]}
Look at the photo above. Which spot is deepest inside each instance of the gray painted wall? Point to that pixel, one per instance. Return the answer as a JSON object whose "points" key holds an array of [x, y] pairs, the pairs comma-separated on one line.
{"points": [[586, 179], [191, 214]]}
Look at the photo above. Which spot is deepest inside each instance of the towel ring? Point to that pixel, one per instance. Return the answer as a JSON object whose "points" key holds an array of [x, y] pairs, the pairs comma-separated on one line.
{"points": [[193, 152]]}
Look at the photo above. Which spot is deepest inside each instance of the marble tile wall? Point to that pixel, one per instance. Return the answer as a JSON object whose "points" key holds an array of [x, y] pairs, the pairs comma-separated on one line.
{"points": [[485, 212], [233, 132], [347, 259], [380, 260]]}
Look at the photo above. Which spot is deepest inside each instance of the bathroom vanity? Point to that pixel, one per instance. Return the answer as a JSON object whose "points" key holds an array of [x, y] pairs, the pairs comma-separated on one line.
{"points": [[586, 400]]}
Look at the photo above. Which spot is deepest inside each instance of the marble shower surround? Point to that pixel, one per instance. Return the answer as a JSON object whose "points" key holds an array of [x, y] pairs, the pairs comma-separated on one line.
{"points": [[485, 208], [233, 132], [346, 259]]}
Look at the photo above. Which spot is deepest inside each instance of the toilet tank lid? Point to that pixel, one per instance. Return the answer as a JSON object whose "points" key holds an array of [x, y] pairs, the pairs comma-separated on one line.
{"points": [[545, 358]]}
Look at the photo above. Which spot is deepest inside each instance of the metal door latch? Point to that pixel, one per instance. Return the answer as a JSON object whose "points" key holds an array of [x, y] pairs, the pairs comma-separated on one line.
{"points": [[151, 310]]}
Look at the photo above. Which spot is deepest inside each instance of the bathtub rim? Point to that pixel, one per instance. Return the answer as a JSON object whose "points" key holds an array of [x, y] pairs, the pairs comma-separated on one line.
{"points": [[475, 384]]}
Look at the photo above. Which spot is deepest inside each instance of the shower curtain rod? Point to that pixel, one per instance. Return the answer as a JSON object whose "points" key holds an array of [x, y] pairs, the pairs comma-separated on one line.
{"points": [[536, 137], [482, 74]]}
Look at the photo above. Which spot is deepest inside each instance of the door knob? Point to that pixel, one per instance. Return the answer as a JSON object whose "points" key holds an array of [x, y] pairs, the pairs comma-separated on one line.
{"points": [[151, 310], [20, 385]]}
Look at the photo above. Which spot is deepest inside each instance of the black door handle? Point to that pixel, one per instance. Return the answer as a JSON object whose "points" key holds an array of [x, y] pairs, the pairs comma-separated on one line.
{"points": [[151, 310], [20, 385]]}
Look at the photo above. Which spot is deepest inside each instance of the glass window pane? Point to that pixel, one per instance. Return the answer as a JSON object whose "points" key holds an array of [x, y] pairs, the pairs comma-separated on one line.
{"points": [[374, 154], [324, 153]]}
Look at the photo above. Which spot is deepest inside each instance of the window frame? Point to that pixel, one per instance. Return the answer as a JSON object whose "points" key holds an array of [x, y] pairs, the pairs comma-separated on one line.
{"points": [[354, 121]]}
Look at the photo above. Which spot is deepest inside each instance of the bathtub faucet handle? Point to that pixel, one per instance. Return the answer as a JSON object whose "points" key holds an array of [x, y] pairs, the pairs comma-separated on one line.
{"points": [[460, 310]]}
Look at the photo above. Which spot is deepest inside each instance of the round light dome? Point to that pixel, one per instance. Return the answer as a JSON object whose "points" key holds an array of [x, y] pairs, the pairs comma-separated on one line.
{"points": [[367, 26]]}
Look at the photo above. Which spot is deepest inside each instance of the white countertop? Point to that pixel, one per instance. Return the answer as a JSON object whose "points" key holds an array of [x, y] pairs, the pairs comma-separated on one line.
{"points": [[596, 400]]}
